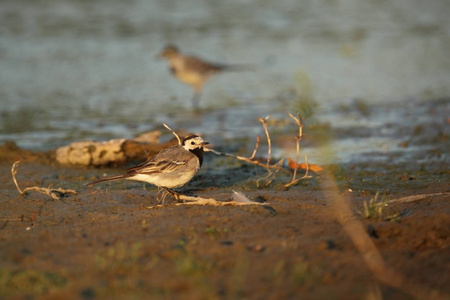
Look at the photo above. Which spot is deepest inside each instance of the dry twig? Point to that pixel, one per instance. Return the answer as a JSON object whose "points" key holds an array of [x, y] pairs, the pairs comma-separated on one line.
{"points": [[173, 132], [251, 159], [299, 121], [273, 169], [270, 174], [416, 197], [246, 159], [298, 138], [196, 200], [54, 193], [256, 148], [269, 142], [306, 176]]}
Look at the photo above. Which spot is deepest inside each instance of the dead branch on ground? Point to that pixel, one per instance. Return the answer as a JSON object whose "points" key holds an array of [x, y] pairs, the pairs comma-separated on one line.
{"points": [[271, 173], [196, 200], [269, 142], [299, 121], [294, 181], [415, 198], [273, 169], [250, 159], [256, 148], [56, 194], [246, 159]]}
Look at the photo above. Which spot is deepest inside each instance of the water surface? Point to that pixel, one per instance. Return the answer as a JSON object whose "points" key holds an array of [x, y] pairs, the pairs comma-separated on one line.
{"points": [[371, 71]]}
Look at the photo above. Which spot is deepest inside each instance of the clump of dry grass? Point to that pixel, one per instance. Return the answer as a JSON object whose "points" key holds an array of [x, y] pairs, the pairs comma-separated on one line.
{"points": [[375, 209]]}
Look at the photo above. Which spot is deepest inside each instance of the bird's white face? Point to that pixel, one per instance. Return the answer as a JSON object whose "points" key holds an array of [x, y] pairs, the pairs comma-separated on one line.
{"points": [[193, 142]]}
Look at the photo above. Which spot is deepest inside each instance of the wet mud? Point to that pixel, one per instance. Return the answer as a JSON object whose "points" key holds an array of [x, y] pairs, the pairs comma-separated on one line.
{"points": [[115, 241], [372, 77]]}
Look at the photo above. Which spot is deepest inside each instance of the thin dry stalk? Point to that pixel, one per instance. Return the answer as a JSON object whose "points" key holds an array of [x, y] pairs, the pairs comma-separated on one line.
{"points": [[278, 166], [251, 159], [299, 121], [306, 176], [298, 138], [256, 148], [269, 142], [416, 198], [54, 193], [246, 159], [206, 201], [173, 132], [271, 173], [195, 200], [366, 247]]}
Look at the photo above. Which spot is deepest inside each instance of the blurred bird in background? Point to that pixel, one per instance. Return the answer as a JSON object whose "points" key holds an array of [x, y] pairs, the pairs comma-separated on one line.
{"points": [[194, 71]]}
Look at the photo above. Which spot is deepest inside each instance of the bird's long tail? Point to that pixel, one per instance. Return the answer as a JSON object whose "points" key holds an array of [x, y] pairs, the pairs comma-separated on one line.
{"points": [[112, 178], [237, 68]]}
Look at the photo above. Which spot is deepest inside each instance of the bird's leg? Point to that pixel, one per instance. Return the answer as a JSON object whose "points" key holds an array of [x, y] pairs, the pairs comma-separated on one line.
{"points": [[196, 99], [174, 194], [163, 194]]}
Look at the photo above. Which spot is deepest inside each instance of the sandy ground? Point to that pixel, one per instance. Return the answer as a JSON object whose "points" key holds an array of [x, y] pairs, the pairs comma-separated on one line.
{"points": [[115, 242]]}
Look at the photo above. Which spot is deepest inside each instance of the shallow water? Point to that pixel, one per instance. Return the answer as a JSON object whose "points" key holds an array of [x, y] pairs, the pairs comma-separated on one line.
{"points": [[371, 72]]}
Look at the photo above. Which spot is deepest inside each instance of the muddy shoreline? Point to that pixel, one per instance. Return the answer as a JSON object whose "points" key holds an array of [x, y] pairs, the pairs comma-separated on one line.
{"points": [[115, 242], [371, 79]]}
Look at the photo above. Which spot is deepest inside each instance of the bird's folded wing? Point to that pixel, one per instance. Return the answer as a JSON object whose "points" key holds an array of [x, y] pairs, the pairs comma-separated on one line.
{"points": [[162, 166], [193, 63]]}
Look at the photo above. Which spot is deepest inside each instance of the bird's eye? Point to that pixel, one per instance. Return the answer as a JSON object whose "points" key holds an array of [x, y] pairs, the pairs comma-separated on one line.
{"points": [[192, 143]]}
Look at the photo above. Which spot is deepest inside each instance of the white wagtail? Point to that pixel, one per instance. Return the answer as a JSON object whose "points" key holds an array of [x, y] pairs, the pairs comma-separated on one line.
{"points": [[171, 168], [194, 71]]}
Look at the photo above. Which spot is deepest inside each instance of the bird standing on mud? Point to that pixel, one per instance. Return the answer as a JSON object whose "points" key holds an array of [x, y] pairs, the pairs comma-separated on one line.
{"points": [[194, 71], [173, 167]]}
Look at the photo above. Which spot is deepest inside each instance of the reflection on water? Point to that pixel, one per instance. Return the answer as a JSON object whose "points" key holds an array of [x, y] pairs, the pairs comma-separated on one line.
{"points": [[73, 70]]}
